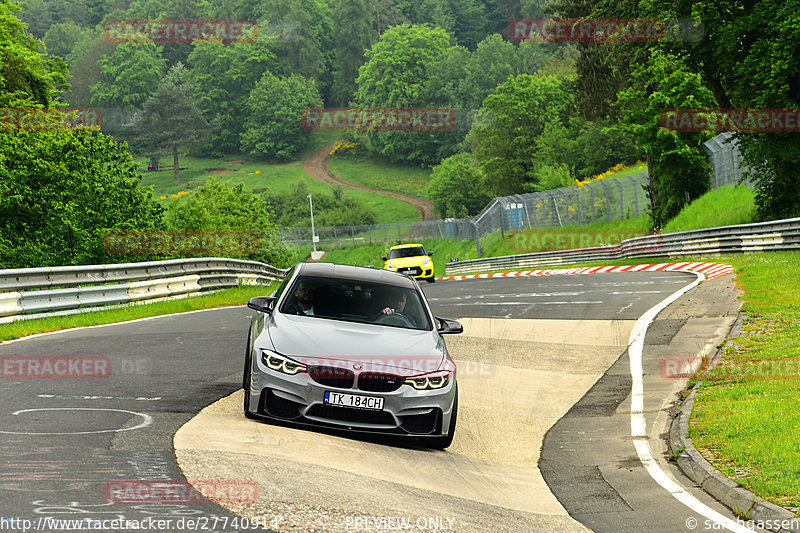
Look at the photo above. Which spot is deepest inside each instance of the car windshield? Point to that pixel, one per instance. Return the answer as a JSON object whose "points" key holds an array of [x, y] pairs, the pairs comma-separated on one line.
{"points": [[412, 251], [356, 301]]}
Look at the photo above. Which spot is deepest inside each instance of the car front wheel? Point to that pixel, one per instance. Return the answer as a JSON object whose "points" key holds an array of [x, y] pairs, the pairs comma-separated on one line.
{"points": [[246, 380], [431, 279]]}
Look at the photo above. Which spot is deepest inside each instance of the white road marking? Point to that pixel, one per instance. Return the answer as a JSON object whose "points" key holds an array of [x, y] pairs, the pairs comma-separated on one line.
{"points": [[529, 303], [638, 425], [146, 421]]}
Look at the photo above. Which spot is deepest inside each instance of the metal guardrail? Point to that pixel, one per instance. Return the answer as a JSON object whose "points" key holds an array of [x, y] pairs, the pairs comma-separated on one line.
{"points": [[37, 290], [777, 235]]}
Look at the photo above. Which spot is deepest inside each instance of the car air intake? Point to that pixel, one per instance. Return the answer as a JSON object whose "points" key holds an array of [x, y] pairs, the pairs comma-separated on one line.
{"points": [[346, 414]]}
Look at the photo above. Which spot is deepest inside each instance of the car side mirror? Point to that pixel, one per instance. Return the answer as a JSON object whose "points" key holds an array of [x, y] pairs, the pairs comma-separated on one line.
{"points": [[447, 326], [261, 303], [430, 254], [384, 258]]}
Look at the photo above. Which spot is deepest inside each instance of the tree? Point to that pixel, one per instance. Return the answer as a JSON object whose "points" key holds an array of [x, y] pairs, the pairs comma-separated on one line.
{"points": [[676, 163], [603, 67], [61, 192], [394, 76], [302, 37], [455, 187], [353, 34], [60, 38], [27, 78], [169, 118], [84, 61], [129, 75], [747, 56], [273, 127], [222, 77], [218, 206], [509, 124], [470, 22]]}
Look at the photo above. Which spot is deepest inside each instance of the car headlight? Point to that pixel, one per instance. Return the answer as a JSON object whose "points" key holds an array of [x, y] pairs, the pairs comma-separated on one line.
{"points": [[281, 363], [391, 267], [435, 380], [427, 263]]}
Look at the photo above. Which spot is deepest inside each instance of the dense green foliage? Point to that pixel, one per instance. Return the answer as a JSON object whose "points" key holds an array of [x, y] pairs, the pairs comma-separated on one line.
{"points": [[511, 121], [531, 115], [679, 171], [455, 187], [292, 208], [272, 128], [26, 77], [61, 191], [219, 207]]}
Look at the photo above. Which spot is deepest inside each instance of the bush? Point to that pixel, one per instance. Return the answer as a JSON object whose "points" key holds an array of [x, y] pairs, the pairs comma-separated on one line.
{"points": [[61, 191], [217, 206], [455, 187], [329, 209]]}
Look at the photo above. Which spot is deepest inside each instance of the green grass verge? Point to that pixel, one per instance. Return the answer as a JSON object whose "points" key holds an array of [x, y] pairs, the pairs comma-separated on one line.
{"points": [[746, 416], [725, 206], [378, 174], [232, 296]]}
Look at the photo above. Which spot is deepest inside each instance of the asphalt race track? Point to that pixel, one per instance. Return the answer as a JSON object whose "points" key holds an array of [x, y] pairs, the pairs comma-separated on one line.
{"points": [[546, 387]]}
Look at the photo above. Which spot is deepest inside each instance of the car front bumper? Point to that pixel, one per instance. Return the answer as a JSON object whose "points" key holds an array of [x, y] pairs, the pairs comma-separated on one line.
{"points": [[299, 399]]}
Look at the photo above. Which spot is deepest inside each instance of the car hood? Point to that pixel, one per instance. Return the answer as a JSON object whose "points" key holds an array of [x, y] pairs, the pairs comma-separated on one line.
{"points": [[323, 341], [405, 262]]}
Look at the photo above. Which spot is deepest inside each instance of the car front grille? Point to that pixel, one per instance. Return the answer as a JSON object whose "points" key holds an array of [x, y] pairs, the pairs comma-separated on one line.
{"points": [[379, 382], [346, 414], [330, 376], [422, 424], [415, 271]]}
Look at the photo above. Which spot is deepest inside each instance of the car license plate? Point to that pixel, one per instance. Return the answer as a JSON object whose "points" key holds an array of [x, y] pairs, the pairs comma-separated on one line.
{"points": [[353, 400]]}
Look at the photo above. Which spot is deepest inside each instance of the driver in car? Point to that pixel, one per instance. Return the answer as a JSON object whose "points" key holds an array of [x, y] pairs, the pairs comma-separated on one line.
{"points": [[394, 304]]}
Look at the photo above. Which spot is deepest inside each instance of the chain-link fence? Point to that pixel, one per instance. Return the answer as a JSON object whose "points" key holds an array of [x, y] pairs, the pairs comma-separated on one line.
{"points": [[608, 200], [603, 200], [726, 161]]}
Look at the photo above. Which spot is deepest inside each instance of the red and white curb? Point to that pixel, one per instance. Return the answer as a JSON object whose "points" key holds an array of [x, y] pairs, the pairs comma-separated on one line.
{"points": [[710, 270]]}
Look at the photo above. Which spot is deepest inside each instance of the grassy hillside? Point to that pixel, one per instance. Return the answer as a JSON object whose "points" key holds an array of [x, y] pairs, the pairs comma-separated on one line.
{"points": [[725, 206], [377, 174], [259, 175]]}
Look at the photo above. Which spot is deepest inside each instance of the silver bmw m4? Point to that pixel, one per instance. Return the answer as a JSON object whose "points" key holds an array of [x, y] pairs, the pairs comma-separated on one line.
{"points": [[351, 348]]}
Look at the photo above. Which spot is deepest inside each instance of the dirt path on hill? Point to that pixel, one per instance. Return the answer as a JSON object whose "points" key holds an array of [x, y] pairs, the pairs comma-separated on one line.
{"points": [[316, 166]]}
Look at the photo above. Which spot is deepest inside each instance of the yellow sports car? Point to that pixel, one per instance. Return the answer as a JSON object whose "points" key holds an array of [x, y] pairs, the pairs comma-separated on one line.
{"points": [[410, 259]]}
